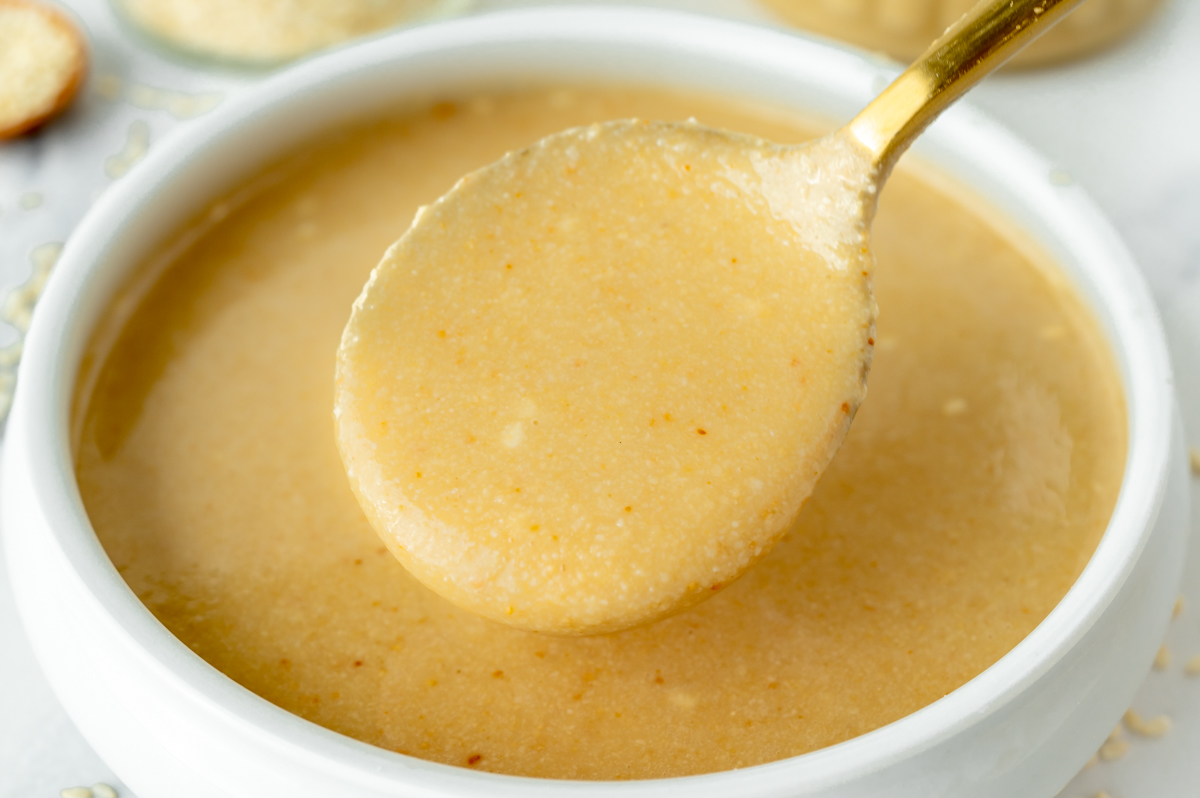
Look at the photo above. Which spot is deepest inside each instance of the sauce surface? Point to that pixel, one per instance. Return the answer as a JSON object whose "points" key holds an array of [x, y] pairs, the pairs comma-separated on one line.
{"points": [[969, 494], [595, 382]]}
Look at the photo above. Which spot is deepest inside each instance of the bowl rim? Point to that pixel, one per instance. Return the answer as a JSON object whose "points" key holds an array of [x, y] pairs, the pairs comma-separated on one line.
{"points": [[53, 347]]}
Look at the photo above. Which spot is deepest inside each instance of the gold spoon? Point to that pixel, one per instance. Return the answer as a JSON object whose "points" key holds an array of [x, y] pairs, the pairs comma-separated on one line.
{"points": [[596, 381]]}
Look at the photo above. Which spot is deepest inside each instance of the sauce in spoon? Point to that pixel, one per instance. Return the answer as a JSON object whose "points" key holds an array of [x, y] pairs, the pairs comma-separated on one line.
{"points": [[595, 381]]}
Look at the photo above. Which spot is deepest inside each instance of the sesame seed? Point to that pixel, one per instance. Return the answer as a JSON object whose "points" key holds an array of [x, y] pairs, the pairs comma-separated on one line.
{"points": [[1113, 750], [1192, 668], [1154, 727], [1177, 610], [682, 699], [1162, 660], [1114, 747], [102, 790], [954, 407], [513, 435], [75, 792], [1194, 457]]}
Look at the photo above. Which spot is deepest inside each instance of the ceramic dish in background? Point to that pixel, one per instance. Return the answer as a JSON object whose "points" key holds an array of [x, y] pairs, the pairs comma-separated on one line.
{"points": [[171, 725], [904, 28], [267, 33]]}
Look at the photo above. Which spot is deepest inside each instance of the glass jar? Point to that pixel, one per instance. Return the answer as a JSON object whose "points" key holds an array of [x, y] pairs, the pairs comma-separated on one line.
{"points": [[904, 28], [268, 32]]}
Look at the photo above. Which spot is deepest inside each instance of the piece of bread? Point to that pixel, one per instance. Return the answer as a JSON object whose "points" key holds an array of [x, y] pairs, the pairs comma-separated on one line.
{"points": [[43, 60]]}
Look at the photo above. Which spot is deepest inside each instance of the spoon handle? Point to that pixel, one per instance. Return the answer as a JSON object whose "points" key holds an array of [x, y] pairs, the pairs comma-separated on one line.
{"points": [[970, 49]]}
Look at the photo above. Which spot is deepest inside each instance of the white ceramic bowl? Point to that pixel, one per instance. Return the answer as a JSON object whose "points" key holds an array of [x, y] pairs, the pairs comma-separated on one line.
{"points": [[173, 727]]}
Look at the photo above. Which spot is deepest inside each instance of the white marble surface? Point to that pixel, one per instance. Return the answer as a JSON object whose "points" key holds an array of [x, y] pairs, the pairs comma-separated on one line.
{"points": [[1124, 125]]}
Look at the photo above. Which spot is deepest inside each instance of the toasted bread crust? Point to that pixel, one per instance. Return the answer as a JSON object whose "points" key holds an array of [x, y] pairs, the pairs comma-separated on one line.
{"points": [[42, 112]]}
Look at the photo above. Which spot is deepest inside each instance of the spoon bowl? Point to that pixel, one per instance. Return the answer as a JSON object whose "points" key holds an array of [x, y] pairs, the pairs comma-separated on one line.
{"points": [[595, 382]]}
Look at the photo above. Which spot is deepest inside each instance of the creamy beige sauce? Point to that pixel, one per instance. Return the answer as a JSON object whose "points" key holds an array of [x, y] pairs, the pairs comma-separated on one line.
{"points": [[970, 492], [595, 382]]}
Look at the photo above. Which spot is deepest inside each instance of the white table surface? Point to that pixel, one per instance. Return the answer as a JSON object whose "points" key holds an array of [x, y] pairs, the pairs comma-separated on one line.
{"points": [[1125, 125]]}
